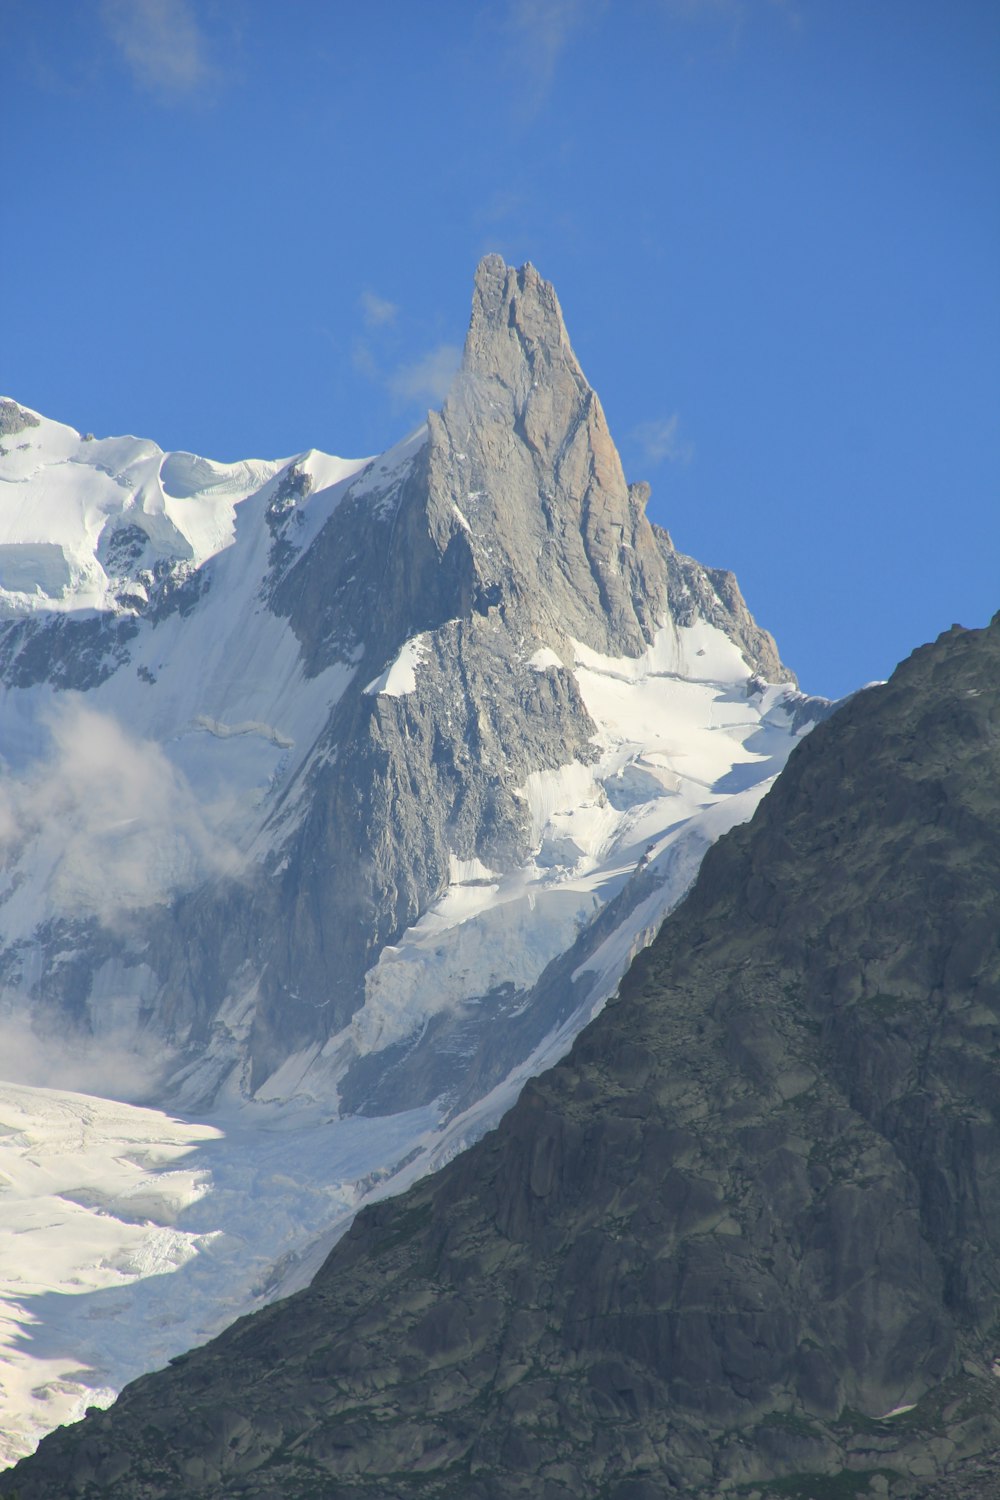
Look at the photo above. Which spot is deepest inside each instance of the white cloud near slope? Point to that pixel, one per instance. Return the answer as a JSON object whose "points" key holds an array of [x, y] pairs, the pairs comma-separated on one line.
{"points": [[114, 823], [377, 311], [121, 1066], [429, 378], [662, 439]]}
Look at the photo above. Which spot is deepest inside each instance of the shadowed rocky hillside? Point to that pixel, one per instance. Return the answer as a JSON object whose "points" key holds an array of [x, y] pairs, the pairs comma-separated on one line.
{"points": [[744, 1240]]}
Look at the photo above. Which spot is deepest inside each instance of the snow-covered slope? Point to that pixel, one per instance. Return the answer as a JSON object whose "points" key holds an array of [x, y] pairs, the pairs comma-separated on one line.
{"points": [[335, 797], [687, 742], [89, 523], [157, 617]]}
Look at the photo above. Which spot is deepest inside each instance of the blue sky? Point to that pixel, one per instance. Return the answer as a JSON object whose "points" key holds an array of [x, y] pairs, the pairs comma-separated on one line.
{"points": [[243, 228]]}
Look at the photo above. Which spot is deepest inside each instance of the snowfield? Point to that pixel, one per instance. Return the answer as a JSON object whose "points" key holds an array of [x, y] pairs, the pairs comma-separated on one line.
{"points": [[182, 769], [63, 494], [128, 1235], [91, 1191]]}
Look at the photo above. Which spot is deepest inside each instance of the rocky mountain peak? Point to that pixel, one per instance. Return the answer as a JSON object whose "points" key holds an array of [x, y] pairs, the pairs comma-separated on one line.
{"points": [[523, 476], [517, 503], [516, 325], [521, 459], [14, 418], [510, 534]]}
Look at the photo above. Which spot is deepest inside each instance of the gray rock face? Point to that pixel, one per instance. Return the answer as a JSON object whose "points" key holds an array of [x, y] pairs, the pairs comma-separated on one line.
{"points": [[14, 419], [67, 652], [522, 451], [744, 1239], [517, 504], [424, 775]]}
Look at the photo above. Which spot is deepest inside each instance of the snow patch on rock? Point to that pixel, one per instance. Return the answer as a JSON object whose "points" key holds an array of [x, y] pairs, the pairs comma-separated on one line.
{"points": [[400, 677], [544, 659]]}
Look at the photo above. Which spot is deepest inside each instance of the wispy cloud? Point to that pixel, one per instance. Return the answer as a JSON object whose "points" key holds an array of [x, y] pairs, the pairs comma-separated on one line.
{"points": [[112, 821], [661, 439], [161, 43], [791, 12], [363, 360], [117, 1064], [429, 378], [377, 311], [541, 31], [376, 355]]}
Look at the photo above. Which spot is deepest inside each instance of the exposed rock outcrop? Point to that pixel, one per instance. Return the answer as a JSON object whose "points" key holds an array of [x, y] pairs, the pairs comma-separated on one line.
{"points": [[14, 418]]}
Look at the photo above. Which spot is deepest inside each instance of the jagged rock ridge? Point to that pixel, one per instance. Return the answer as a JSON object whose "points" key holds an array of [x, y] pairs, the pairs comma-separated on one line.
{"points": [[745, 1237]]}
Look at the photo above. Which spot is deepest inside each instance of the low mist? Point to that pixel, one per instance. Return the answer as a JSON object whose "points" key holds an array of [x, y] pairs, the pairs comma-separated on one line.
{"points": [[103, 826]]}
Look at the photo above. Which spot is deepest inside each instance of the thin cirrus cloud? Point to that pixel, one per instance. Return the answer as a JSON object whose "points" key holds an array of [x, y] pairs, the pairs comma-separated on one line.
{"points": [[662, 440], [429, 378], [426, 379], [161, 44], [116, 824], [377, 311], [363, 360], [540, 31]]}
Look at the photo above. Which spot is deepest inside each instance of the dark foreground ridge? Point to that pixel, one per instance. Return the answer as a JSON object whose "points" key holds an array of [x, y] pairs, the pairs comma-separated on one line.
{"points": [[752, 1215]]}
